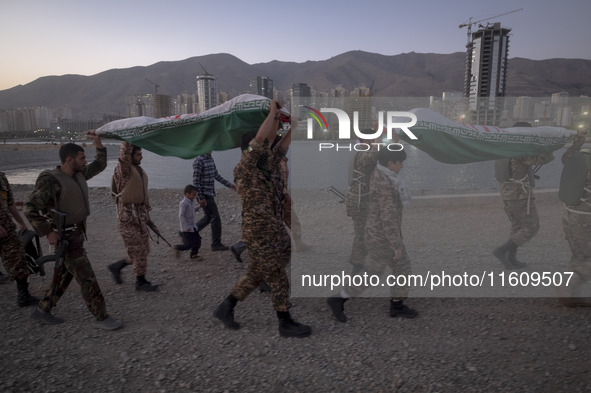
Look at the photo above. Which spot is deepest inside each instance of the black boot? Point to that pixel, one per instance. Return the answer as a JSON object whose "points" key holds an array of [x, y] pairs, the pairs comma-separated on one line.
{"points": [[507, 255], [115, 269], [290, 328], [337, 306], [141, 284], [225, 312], [24, 298], [398, 309], [512, 257]]}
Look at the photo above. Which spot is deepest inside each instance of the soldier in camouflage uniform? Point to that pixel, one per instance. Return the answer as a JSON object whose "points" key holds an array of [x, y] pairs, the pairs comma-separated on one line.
{"points": [[133, 207], [11, 248], [576, 222], [518, 197], [262, 228], [65, 189], [356, 203], [383, 235], [280, 176]]}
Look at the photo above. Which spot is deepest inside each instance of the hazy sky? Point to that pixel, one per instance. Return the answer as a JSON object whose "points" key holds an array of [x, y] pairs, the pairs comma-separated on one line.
{"points": [[40, 37]]}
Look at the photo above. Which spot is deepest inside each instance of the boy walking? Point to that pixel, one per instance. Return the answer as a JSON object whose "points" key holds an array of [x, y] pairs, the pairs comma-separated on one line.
{"points": [[189, 232]]}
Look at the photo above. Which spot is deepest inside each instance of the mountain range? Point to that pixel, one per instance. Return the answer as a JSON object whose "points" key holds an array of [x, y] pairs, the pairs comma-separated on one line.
{"points": [[404, 75]]}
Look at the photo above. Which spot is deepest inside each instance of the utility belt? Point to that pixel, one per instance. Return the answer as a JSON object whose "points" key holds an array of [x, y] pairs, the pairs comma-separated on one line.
{"points": [[583, 202]]}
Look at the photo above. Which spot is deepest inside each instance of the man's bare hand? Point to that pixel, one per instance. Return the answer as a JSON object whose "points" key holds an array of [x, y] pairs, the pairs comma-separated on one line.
{"points": [[53, 238], [96, 139]]}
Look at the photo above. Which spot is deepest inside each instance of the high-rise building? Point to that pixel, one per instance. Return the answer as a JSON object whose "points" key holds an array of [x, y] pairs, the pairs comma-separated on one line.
{"points": [[300, 96], [207, 96], [523, 109], [486, 70], [262, 86], [151, 105]]}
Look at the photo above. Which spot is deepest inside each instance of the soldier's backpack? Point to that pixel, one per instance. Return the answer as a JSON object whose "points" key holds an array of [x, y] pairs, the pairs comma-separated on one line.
{"points": [[502, 170], [573, 178]]}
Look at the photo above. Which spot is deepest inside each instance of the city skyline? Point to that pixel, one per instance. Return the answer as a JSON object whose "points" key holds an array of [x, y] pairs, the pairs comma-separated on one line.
{"points": [[66, 37]]}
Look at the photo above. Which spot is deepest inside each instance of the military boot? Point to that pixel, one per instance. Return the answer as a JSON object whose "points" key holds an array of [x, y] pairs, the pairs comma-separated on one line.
{"points": [[144, 285], [225, 313], [571, 296], [507, 254], [512, 257], [24, 298], [290, 328], [398, 309], [337, 306], [115, 269]]}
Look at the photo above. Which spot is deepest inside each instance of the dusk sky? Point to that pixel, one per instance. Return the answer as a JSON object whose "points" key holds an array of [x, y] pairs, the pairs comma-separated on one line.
{"points": [[41, 38]]}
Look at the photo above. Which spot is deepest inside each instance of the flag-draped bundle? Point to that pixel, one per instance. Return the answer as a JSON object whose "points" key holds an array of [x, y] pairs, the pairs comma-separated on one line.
{"points": [[454, 143], [187, 136]]}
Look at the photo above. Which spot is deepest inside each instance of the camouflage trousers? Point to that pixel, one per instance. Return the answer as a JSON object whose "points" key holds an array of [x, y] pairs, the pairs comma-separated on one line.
{"points": [[524, 225], [135, 236], [13, 257], [291, 219], [80, 269], [577, 231], [376, 263], [359, 248], [268, 259]]}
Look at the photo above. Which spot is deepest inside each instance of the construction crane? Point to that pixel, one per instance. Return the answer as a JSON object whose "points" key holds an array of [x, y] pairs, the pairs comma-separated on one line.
{"points": [[470, 23], [156, 85], [204, 70]]}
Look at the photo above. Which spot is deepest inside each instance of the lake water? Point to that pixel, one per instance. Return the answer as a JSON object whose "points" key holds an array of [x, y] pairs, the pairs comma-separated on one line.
{"points": [[310, 169]]}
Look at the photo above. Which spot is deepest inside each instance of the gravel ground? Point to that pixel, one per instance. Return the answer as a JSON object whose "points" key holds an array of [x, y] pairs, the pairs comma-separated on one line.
{"points": [[171, 343]]}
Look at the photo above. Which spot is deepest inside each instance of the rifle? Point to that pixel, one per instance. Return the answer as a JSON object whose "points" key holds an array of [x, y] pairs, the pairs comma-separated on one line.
{"points": [[60, 254], [152, 226], [337, 193]]}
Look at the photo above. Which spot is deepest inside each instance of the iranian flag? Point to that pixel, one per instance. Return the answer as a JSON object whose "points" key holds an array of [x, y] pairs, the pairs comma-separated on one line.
{"points": [[453, 143], [187, 136]]}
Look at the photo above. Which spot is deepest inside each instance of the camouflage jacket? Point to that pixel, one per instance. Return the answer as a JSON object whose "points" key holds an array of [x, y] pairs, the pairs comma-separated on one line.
{"points": [[6, 200], [383, 229], [519, 167], [121, 176], [47, 189], [261, 210], [279, 175]]}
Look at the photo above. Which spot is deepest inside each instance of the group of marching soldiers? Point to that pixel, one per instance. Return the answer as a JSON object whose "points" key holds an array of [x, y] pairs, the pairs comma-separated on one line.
{"points": [[375, 202]]}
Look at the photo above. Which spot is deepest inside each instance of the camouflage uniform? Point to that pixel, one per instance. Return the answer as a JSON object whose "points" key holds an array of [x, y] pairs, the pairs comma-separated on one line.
{"points": [[11, 248], [357, 202], [576, 221], [132, 217], [289, 216], [263, 231], [383, 233], [37, 209], [518, 198], [279, 177]]}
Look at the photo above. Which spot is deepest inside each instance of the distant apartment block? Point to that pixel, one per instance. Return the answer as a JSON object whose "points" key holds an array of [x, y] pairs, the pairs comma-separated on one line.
{"points": [[560, 98], [206, 92], [486, 70], [151, 105], [185, 104], [300, 95], [262, 86], [26, 119]]}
